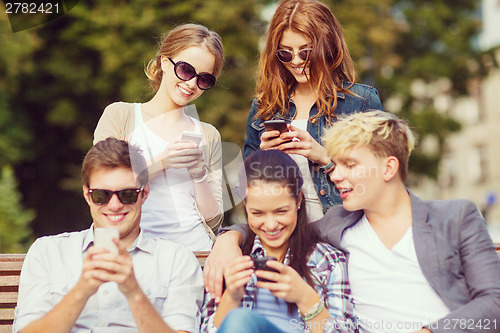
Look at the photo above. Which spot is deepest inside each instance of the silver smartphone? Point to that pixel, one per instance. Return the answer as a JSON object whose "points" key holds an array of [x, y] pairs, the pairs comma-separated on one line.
{"points": [[188, 136], [103, 237]]}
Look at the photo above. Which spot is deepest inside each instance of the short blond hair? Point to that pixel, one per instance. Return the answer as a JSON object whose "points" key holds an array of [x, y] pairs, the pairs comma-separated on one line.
{"points": [[384, 133]]}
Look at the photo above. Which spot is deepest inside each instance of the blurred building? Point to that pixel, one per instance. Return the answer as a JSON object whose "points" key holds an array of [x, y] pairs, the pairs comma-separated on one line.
{"points": [[470, 167]]}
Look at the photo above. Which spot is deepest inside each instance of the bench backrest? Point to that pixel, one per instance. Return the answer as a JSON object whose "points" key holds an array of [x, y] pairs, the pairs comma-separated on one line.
{"points": [[10, 269]]}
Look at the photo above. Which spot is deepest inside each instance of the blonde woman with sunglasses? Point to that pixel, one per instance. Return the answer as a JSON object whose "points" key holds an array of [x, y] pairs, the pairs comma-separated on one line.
{"points": [[306, 78], [184, 155]]}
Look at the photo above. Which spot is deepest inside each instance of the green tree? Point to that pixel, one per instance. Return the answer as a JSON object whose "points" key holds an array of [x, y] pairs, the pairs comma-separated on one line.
{"points": [[56, 79], [402, 45], [15, 230], [435, 47], [15, 55], [95, 55], [14, 220], [398, 45]]}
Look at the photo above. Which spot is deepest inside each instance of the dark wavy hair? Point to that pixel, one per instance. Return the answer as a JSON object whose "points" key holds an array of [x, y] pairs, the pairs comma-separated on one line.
{"points": [[274, 166]]}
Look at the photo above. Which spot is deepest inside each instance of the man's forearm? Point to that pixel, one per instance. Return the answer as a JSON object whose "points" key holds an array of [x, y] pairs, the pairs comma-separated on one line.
{"points": [[145, 315], [230, 237], [62, 317], [225, 249], [235, 234]]}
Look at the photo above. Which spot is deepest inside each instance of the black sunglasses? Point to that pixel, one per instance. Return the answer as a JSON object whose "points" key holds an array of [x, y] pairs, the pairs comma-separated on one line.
{"points": [[287, 56], [186, 72], [127, 196]]}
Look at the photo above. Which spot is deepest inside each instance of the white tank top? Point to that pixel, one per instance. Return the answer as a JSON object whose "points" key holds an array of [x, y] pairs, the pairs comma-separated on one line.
{"points": [[313, 204], [169, 210]]}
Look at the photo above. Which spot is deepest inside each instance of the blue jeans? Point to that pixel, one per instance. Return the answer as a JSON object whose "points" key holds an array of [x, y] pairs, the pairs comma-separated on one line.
{"points": [[243, 321]]}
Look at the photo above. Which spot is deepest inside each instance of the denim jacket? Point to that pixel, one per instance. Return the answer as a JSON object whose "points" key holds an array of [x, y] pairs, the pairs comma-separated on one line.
{"points": [[346, 104]]}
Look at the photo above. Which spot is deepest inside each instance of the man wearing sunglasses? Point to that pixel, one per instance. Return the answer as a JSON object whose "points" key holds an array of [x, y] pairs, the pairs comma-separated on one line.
{"points": [[68, 284]]}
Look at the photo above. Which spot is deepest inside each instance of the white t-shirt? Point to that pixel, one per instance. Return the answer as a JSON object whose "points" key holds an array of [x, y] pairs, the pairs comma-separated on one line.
{"points": [[169, 210], [313, 204], [390, 292]]}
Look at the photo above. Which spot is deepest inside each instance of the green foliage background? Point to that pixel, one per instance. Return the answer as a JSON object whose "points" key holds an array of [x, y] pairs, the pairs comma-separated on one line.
{"points": [[56, 79]]}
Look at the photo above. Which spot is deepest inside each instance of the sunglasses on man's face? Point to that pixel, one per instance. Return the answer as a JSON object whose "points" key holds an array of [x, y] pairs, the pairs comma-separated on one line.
{"points": [[186, 72], [287, 56], [127, 196]]}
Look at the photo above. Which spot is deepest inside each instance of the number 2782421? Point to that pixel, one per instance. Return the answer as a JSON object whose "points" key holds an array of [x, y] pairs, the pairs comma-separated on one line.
{"points": [[31, 8]]}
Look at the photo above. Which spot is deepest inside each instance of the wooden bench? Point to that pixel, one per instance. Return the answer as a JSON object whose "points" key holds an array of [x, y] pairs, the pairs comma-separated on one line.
{"points": [[10, 269]]}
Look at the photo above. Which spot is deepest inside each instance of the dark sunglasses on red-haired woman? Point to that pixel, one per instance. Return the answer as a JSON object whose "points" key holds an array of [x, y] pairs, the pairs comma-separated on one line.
{"points": [[287, 56]]}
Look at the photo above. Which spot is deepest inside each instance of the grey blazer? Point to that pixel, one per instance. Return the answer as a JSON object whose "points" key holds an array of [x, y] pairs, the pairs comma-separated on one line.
{"points": [[456, 256]]}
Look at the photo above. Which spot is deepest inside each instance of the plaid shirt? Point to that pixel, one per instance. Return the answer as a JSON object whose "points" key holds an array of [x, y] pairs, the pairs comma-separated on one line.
{"points": [[329, 271]]}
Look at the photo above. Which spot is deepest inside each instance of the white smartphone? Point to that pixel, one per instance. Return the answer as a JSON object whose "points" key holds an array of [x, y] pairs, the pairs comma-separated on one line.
{"points": [[103, 237], [188, 136]]}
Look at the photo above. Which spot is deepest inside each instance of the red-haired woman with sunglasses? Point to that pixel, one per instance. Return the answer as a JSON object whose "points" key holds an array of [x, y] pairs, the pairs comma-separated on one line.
{"points": [[306, 77], [184, 155]]}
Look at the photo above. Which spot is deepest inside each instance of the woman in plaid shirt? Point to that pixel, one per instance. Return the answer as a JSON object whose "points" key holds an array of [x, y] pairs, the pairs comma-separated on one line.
{"points": [[308, 289]]}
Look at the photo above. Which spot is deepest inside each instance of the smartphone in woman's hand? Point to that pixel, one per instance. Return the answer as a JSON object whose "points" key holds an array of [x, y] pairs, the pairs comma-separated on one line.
{"points": [[276, 125], [260, 264]]}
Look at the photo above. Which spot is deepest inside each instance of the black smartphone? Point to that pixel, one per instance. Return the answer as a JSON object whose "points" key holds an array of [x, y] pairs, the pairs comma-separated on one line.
{"points": [[260, 264], [276, 125]]}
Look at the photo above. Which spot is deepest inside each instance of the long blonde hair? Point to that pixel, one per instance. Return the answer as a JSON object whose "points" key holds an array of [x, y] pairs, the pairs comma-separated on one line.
{"points": [[180, 38], [330, 62]]}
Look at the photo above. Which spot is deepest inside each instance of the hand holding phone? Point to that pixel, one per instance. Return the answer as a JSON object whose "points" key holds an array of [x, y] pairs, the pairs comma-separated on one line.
{"points": [[103, 237], [260, 264], [188, 136], [276, 125]]}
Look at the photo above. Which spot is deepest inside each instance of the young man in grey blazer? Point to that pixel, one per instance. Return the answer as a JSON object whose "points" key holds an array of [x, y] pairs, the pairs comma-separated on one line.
{"points": [[414, 265]]}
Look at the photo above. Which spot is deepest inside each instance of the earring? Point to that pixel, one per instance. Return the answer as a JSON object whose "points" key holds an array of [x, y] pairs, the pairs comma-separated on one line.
{"points": [[298, 208]]}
